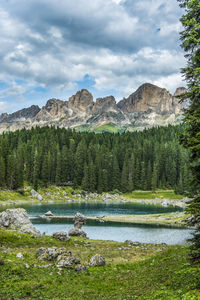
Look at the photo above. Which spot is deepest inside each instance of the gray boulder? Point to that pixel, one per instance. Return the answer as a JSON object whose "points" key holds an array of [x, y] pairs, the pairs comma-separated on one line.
{"points": [[62, 257], [77, 232], [48, 254], [62, 236], [80, 268], [97, 261], [67, 262], [17, 219], [51, 253], [36, 195]]}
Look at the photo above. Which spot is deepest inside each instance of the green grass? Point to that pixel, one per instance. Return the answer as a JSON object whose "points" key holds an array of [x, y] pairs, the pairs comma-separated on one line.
{"points": [[107, 128], [139, 273], [7, 195], [167, 194]]}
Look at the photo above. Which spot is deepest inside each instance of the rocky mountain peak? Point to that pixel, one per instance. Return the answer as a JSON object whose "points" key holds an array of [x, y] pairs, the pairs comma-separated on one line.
{"points": [[148, 97], [105, 104], [180, 91], [3, 117], [24, 113], [83, 100], [148, 106], [54, 106]]}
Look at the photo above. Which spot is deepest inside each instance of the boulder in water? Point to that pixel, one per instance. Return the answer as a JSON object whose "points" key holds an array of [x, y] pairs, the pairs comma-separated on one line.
{"points": [[79, 221], [48, 214]]}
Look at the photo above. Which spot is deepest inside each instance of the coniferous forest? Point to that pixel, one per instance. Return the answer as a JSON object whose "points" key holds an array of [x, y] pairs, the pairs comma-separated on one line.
{"points": [[144, 160]]}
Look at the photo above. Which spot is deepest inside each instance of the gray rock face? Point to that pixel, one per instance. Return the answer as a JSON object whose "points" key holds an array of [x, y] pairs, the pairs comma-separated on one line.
{"points": [[25, 113], [148, 106], [62, 236], [17, 219], [79, 221], [104, 105], [97, 261], [82, 101], [148, 97]]}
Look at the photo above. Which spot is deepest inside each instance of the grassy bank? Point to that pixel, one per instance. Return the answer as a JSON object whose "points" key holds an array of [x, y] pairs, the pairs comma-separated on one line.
{"points": [[172, 219], [56, 193], [138, 271], [167, 194]]}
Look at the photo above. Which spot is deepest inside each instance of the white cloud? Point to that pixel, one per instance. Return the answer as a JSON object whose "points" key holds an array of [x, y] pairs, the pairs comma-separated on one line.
{"points": [[115, 42], [12, 91], [170, 82], [3, 106]]}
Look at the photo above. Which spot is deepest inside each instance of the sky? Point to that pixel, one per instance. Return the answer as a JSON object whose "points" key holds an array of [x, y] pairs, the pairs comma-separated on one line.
{"points": [[52, 49]]}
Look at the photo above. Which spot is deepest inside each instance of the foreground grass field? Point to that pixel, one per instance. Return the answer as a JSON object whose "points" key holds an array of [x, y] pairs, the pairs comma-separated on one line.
{"points": [[138, 271]]}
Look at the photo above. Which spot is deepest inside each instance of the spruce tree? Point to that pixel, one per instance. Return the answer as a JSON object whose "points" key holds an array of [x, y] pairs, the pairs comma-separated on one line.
{"points": [[190, 38], [2, 172], [85, 181]]}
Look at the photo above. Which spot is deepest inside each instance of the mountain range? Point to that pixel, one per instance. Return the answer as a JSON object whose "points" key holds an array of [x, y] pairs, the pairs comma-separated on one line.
{"points": [[148, 106]]}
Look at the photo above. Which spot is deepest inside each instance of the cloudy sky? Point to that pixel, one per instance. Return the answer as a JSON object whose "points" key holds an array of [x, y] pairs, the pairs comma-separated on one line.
{"points": [[51, 49]]}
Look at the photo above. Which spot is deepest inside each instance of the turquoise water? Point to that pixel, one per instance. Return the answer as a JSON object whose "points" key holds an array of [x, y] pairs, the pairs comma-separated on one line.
{"points": [[97, 209], [109, 231]]}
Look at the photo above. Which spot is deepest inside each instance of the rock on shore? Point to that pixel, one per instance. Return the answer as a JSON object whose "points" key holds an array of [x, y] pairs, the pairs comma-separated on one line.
{"points": [[17, 219]]}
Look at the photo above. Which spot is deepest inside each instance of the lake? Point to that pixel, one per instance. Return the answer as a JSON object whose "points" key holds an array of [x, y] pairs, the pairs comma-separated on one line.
{"points": [[109, 230]]}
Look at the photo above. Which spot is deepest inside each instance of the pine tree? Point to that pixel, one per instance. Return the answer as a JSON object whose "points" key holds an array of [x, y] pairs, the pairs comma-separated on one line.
{"points": [[58, 167], [115, 179], [92, 176], [85, 182], [100, 187], [190, 37], [2, 172], [154, 181], [124, 178], [45, 170]]}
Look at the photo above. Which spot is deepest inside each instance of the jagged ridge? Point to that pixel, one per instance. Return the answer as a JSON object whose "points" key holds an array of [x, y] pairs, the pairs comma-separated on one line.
{"points": [[148, 106]]}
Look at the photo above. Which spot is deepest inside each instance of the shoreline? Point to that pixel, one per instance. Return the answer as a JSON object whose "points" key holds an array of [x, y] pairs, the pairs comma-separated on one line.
{"points": [[56, 195], [175, 219], [158, 201]]}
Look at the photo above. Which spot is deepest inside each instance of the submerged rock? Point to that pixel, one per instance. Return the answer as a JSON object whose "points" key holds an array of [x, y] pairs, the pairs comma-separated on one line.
{"points": [[48, 214], [17, 219]]}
